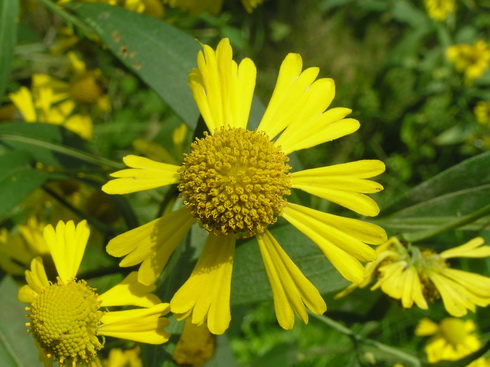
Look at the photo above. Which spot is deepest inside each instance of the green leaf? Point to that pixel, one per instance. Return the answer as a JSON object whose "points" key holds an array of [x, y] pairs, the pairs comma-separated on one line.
{"points": [[17, 179], [459, 191], [161, 55], [250, 283], [9, 13], [51, 144], [16, 345]]}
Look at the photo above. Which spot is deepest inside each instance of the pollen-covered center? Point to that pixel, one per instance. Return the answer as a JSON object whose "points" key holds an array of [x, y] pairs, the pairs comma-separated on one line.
{"points": [[64, 320], [86, 88], [454, 331], [234, 181]]}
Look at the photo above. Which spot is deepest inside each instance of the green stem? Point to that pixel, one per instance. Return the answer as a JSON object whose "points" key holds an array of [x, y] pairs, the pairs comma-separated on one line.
{"points": [[67, 17], [423, 235], [63, 150], [359, 339]]}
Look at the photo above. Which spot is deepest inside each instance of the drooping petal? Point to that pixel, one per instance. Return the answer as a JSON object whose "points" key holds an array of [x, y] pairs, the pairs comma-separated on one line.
{"points": [[291, 95], [144, 325], [343, 184], [456, 298], [474, 283], [67, 245], [152, 243], [426, 327], [472, 248], [401, 281], [129, 292], [206, 294], [292, 291], [24, 103], [342, 240], [223, 90], [144, 174]]}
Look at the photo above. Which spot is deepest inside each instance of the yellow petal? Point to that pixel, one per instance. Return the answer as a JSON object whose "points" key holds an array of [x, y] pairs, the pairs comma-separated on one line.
{"points": [[426, 327], [290, 288], [222, 89], [67, 245], [317, 130], [144, 325], [151, 243], [477, 284], [342, 240], [129, 292], [207, 291], [26, 294], [454, 296], [412, 289], [24, 103], [290, 95], [472, 248], [144, 174], [343, 184]]}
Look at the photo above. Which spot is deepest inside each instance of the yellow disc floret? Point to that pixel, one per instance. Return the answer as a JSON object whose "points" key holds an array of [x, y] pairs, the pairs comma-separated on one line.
{"points": [[454, 331], [64, 320], [86, 88], [234, 182]]}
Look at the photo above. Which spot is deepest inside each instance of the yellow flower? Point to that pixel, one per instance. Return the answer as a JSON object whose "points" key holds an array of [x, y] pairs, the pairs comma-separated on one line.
{"points": [[472, 60], [85, 88], [480, 362], [18, 249], [41, 106], [452, 339], [195, 347], [415, 275], [65, 316], [211, 6], [439, 9], [123, 358], [482, 112], [234, 182]]}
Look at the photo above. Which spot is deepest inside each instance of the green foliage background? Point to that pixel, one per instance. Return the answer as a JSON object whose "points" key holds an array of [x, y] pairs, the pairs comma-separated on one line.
{"points": [[388, 61]]}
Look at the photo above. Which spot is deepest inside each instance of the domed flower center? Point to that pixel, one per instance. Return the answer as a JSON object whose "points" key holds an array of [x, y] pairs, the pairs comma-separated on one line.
{"points": [[64, 319], [454, 331], [86, 88], [234, 182]]}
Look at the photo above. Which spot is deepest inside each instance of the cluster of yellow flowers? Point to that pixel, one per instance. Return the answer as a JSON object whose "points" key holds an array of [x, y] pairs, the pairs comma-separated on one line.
{"points": [[440, 9], [472, 60], [234, 183]]}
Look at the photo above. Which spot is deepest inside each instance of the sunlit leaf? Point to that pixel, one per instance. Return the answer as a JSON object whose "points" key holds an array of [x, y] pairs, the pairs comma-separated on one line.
{"points": [[459, 191]]}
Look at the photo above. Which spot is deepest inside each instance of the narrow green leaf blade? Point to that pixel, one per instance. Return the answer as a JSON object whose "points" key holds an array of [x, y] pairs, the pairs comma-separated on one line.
{"points": [[17, 347], [9, 12], [161, 55], [461, 190]]}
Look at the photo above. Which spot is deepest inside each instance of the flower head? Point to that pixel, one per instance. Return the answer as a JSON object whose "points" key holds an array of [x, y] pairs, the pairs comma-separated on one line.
{"points": [[472, 60], [482, 113], [42, 105], [451, 339], [65, 315], [234, 183], [439, 9], [415, 275], [17, 249]]}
